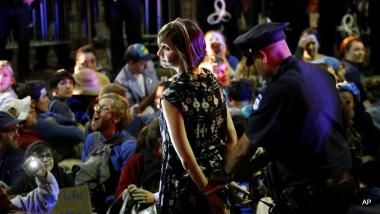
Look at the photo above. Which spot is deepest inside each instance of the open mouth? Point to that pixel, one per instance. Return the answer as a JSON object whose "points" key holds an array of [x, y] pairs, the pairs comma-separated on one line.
{"points": [[95, 117]]}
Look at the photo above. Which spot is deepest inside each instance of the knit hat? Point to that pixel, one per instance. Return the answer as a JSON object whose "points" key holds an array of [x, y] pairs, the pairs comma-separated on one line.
{"points": [[61, 74]]}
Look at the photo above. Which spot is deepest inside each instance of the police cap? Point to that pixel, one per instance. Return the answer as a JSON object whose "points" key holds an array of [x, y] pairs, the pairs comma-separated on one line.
{"points": [[259, 37]]}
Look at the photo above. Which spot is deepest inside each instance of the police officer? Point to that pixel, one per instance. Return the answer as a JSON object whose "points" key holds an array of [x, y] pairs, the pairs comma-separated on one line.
{"points": [[297, 120]]}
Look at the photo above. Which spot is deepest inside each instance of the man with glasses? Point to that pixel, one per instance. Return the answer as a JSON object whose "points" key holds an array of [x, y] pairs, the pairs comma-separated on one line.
{"points": [[109, 123]]}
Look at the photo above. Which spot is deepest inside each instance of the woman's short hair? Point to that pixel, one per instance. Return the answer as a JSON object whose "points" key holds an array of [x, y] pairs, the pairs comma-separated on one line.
{"points": [[188, 40]]}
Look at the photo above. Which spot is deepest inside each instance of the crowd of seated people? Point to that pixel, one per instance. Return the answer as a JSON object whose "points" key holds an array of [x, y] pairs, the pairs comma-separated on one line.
{"points": [[80, 113]]}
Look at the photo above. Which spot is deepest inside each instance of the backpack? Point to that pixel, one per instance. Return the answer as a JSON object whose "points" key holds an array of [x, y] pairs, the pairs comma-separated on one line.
{"points": [[97, 168]]}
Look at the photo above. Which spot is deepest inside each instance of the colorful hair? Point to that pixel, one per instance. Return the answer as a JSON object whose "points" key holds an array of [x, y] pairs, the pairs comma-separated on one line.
{"points": [[188, 40], [346, 44]]}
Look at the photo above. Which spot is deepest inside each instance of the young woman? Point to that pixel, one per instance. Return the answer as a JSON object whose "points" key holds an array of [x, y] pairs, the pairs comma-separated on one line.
{"points": [[195, 125]]}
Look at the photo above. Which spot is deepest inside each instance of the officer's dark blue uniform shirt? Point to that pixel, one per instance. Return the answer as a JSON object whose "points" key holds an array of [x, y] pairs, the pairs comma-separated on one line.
{"points": [[298, 122]]}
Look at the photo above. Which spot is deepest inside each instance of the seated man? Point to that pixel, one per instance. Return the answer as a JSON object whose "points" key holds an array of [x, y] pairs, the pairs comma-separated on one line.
{"points": [[109, 122], [138, 76], [10, 157]]}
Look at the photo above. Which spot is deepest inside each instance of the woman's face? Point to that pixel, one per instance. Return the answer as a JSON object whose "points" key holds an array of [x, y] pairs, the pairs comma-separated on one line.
{"points": [[167, 55], [215, 43], [43, 101], [347, 100], [65, 88], [221, 73], [356, 53], [5, 78], [46, 158], [86, 60]]}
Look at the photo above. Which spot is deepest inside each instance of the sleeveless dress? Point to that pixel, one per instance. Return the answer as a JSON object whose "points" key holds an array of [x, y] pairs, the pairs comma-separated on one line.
{"points": [[201, 100]]}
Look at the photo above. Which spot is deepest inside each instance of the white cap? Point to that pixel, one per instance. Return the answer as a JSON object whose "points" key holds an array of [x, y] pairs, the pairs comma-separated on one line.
{"points": [[18, 108]]}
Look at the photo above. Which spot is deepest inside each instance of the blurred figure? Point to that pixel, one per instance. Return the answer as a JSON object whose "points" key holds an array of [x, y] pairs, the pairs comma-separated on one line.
{"points": [[138, 76], [143, 168], [308, 46], [61, 86], [240, 94], [6, 81], [41, 200], [354, 53], [87, 85], [11, 158], [122, 16], [51, 128], [16, 17], [220, 69], [86, 58], [44, 152], [359, 119], [372, 87], [216, 46], [220, 14]]}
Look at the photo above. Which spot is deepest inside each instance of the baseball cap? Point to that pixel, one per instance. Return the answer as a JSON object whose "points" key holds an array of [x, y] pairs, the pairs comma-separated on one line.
{"points": [[17, 108], [6, 120], [136, 52]]}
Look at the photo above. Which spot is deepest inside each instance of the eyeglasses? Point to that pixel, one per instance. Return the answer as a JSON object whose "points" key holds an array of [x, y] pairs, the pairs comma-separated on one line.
{"points": [[102, 109]]}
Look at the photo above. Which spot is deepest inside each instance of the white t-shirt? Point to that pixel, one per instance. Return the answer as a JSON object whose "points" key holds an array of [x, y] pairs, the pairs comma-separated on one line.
{"points": [[141, 82]]}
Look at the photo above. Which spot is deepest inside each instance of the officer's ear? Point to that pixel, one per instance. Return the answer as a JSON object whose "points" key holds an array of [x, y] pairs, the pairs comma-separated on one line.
{"points": [[263, 56]]}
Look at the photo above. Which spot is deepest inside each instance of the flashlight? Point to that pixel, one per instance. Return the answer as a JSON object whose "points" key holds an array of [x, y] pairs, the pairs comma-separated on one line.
{"points": [[32, 165]]}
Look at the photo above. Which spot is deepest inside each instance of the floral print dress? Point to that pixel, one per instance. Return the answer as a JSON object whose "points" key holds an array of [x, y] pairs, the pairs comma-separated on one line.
{"points": [[201, 100]]}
